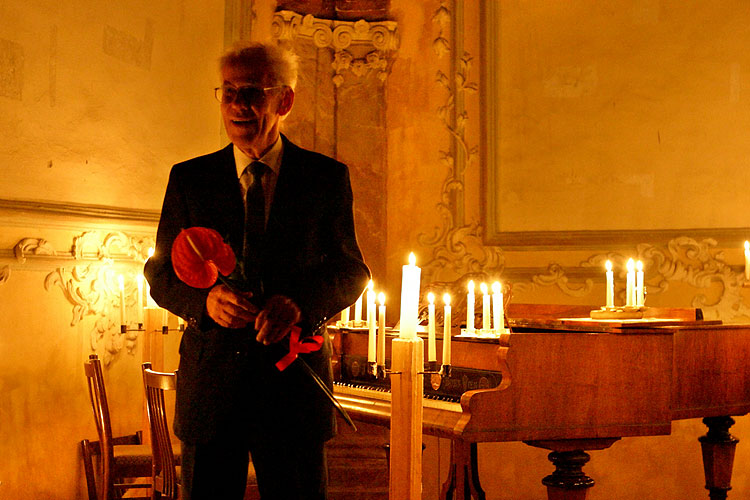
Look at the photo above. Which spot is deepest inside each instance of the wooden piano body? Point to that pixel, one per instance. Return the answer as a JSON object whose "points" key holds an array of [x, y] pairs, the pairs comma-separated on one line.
{"points": [[571, 385]]}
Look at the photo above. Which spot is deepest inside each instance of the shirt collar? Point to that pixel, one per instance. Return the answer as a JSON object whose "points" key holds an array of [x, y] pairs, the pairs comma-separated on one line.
{"points": [[272, 158]]}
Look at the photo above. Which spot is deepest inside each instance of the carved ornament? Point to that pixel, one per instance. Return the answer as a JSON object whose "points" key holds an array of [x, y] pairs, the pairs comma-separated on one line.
{"points": [[361, 47]]}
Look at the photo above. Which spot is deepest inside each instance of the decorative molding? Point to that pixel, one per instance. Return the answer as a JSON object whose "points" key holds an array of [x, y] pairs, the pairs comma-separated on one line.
{"points": [[4, 274], [374, 42], [35, 246], [108, 213]]}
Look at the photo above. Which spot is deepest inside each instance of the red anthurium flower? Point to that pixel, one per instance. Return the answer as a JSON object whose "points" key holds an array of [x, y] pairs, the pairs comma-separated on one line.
{"points": [[199, 254]]}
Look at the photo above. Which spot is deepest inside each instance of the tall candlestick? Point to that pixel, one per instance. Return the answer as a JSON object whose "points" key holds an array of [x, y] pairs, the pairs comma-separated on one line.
{"points": [[149, 300], [431, 342], [121, 282], [747, 260], [409, 299], [485, 307], [381, 330], [371, 340], [630, 283], [498, 314], [639, 295], [447, 330], [358, 311], [470, 308], [610, 285], [139, 299], [345, 316]]}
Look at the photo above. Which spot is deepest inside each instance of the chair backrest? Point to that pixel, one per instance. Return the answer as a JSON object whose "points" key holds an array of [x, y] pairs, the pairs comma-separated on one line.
{"points": [[164, 475], [98, 395]]}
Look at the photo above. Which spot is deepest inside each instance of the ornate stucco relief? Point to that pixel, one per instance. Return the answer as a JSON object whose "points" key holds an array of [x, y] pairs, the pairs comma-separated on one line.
{"points": [[88, 274], [360, 47]]}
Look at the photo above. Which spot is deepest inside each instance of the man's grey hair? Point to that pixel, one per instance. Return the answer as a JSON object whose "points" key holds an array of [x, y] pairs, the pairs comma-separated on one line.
{"points": [[281, 62]]}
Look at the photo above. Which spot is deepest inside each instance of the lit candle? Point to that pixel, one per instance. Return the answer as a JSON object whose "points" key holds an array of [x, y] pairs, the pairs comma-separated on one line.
{"points": [[121, 282], [358, 311], [630, 283], [381, 330], [431, 343], [610, 284], [470, 308], [447, 330], [370, 300], [747, 260], [485, 307], [139, 300], [409, 299], [149, 301], [345, 316], [371, 340], [639, 295], [498, 314]]}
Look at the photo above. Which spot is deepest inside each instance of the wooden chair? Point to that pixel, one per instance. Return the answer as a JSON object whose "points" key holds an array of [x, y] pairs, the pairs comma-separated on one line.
{"points": [[164, 471], [165, 476], [120, 458]]}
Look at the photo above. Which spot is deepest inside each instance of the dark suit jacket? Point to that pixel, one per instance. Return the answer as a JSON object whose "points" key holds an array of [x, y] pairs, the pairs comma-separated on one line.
{"points": [[228, 384]]}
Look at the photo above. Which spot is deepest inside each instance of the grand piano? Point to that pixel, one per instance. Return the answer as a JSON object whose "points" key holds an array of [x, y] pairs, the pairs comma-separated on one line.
{"points": [[566, 383]]}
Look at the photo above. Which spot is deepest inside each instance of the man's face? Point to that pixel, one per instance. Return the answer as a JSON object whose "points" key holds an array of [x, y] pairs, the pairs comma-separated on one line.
{"points": [[252, 118]]}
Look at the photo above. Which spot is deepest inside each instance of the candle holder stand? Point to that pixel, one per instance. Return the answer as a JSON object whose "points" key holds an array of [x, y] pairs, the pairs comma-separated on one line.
{"points": [[618, 312], [124, 329]]}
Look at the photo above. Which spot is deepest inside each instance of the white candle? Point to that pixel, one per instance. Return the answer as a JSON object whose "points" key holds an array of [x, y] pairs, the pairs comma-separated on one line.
{"points": [[149, 301], [447, 330], [498, 315], [381, 330], [630, 283], [358, 311], [139, 299], [610, 285], [470, 308], [747, 260], [639, 295], [371, 340], [370, 300], [121, 282], [431, 342], [485, 307], [165, 320], [345, 316], [409, 299]]}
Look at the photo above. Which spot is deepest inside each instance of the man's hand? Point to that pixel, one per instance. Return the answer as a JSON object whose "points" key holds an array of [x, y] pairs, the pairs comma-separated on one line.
{"points": [[276, 319], [229, 309]]}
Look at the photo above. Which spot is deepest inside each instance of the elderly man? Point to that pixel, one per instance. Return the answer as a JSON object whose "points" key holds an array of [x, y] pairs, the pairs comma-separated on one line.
{"points": [[287, 214]]}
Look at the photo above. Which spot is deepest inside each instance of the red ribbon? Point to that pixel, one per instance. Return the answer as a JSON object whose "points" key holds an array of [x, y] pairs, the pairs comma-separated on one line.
{"points": [[297, 346]]}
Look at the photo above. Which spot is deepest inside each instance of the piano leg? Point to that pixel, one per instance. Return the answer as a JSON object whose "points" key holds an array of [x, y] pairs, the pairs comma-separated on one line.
{"points": [[718, 456], [568, 481], [463, 475]]}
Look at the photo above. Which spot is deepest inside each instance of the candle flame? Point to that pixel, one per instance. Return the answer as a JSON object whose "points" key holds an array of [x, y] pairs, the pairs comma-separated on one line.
{"points": [[150, 252], [639, 266], [121, 281], [471, 286], [412, 259], [371, 285], [483, 287], [630, 265], [431, 298], [608, 265], [447, 299], [747, 246], [496, 287], [381, 298]]}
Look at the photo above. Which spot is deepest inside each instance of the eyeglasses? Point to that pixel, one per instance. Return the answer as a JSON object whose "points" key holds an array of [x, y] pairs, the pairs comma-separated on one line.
{"points": [[227, 94]]}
